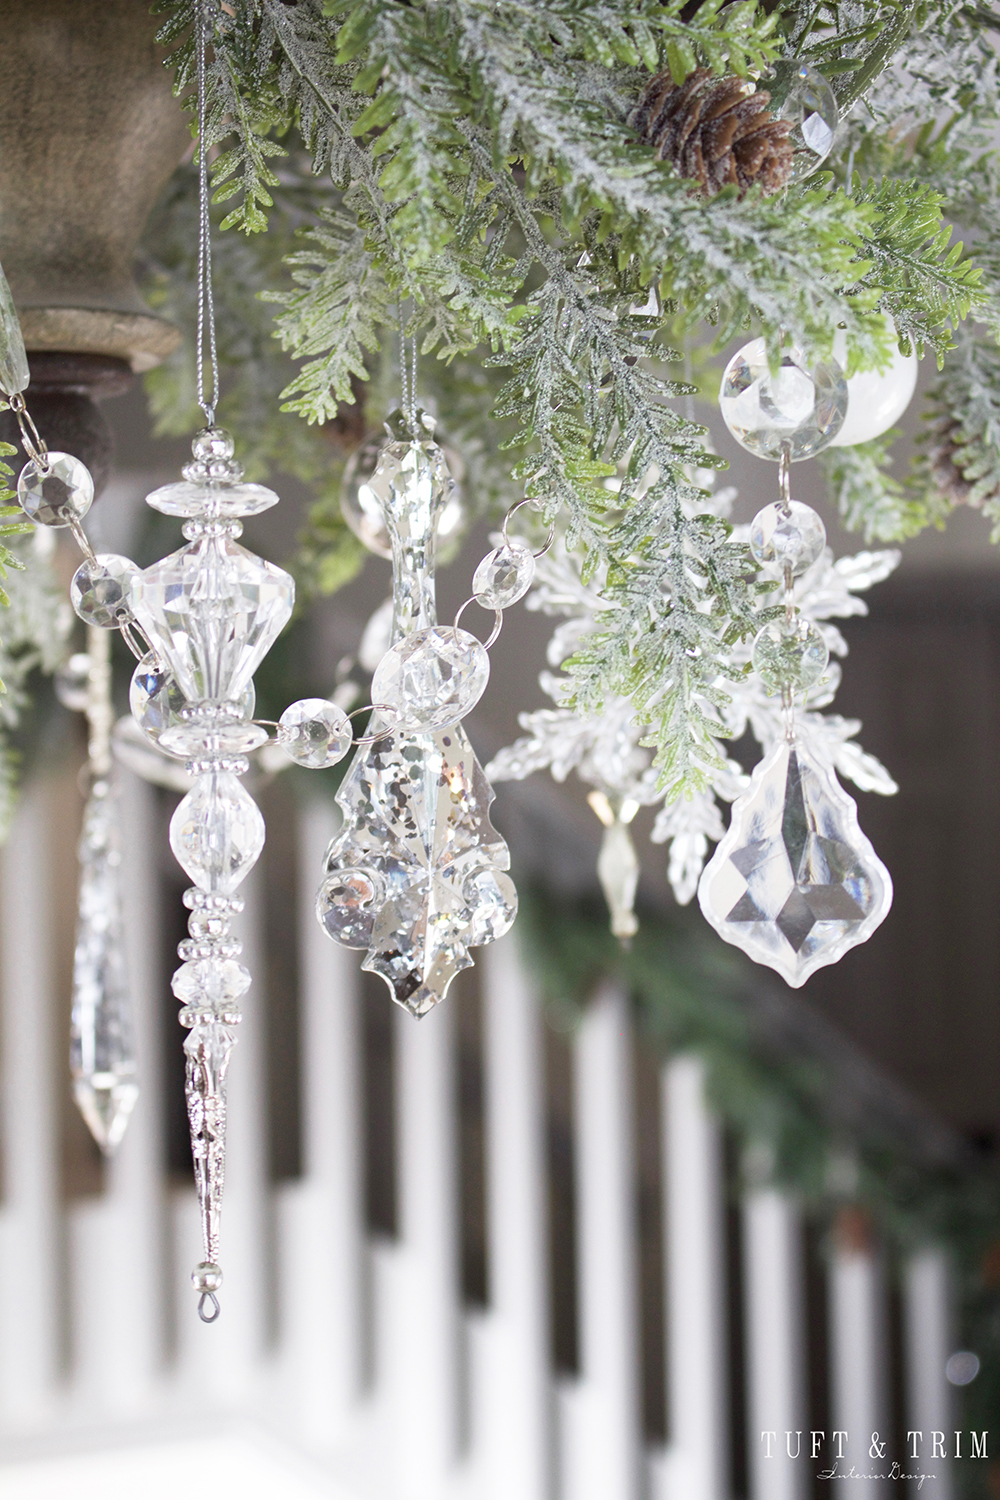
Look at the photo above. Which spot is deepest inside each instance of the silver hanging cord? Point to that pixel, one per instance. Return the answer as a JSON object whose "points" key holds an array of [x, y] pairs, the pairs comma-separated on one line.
{"points": [[206, 305], [407, 376]]}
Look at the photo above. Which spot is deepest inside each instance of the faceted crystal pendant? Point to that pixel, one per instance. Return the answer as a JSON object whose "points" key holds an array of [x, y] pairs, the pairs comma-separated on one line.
{"points": [[14, 373], [212, 611], [217, 833], [63, 493], [618, 863], [156, 700], [361, 501], [800, 406], [794, 882], [102, 1051]]}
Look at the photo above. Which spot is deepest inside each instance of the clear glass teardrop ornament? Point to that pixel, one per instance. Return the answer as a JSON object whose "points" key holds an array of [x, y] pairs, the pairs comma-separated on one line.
{"points": [[794, 882]]}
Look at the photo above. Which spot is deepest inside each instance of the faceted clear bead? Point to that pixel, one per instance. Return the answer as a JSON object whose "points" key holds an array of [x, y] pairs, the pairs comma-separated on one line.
{"points": [[100, 590], [212, 443], [315, 733], [212, 612], [787, 538], [505, 575], [794, 882], [803, 96], [156, 699], [801, 406], [215, 983], [790, 655], [212, 487], [14, 373], [63, 493], [72, 682], [102, 1050], [217, 833], [432, 678]]}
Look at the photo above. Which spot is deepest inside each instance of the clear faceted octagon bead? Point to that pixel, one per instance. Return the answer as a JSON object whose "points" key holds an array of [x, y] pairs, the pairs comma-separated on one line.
{"points": [[432, 678], [505, 575], [787, 538], [212, 611], [800, 405], [100, 590], [790, 654], [215, 982], [315, 733], [217, 833], [63, 493], [794, 882]]}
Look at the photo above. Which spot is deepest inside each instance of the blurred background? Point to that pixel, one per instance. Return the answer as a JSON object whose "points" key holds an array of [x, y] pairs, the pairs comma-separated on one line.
{"points": [[610, 1223]]}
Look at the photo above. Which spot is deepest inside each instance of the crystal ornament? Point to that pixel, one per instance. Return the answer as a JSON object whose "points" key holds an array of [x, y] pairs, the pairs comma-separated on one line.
{"points": [[102, 1050], [799, 405], [362, 502], [788, 536], [417, 873], [876, 399], [314, 732], [217, 833], [72, 682], [99, 590], [432, 678], [618, 863], [58, 495], [212, 611], [803, 96], [790, 655], [505, 575], [794, 882], [156, 700], [14, 373]]}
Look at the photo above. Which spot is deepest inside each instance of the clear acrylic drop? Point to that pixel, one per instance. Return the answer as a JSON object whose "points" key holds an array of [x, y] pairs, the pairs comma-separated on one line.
{"points": [[102, 1049], [217, 833], [794, 882]]}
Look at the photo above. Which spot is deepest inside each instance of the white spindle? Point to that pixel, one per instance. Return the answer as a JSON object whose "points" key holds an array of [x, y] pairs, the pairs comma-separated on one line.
{"points": [[858, 1344], [694, 1234], [601, 1439], [320, 1217], [116, 1248], [29, 1216], [423, 1328], [927, 1323], [774, 1297], [513, 1417]]}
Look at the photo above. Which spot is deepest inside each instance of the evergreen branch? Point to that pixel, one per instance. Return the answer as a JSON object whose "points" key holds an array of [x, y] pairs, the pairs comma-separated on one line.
{"points": [[869, 499]]}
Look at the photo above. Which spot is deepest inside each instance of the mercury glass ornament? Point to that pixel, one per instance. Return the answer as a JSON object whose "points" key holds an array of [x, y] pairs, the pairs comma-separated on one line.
{"points": [[505, 575], [800, 405], [802, 95], [417, 874], [315, 733], [790, 655], [99, 590], [59, 495], [432, 678], [787, 537], [794, 882], [876, 399]]}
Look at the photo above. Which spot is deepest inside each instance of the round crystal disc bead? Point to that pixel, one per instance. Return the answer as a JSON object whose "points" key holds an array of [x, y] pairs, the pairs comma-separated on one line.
{"points": [[803, 97], [799, 406], [315, 733], [432, 678], [790, 655], [63, 493], [505, 575], [787, 538], [99, 590]]}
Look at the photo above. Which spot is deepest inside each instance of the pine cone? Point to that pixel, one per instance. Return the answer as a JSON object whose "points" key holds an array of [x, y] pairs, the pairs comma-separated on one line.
{"points": [[715, 131]]}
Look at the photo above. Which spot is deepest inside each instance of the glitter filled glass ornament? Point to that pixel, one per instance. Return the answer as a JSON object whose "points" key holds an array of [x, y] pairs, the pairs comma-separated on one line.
{"points": [[794, 882], [799, 405]]}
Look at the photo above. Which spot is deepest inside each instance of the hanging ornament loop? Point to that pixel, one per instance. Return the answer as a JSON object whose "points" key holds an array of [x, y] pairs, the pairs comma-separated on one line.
{"points": [[497, 622], [206, 304], [550, 534], [785, 479], [33, 443], [208, 1300]]}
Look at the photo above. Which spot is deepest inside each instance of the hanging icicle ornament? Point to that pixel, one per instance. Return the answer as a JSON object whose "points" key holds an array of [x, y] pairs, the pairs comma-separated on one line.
{"points": [[794, 882]]}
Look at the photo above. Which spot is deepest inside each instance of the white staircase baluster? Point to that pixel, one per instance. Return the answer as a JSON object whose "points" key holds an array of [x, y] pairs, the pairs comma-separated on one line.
{"points": [[695, 1466], [775, 1341], [600, 1438], [858, 1344], [927, 1327], [320, 1217]]}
